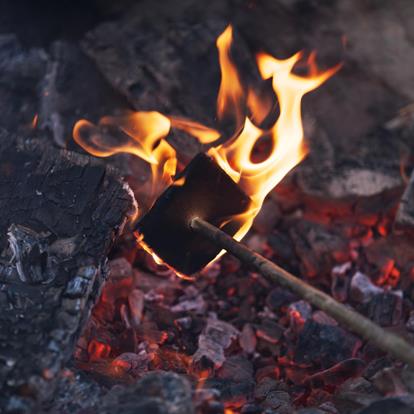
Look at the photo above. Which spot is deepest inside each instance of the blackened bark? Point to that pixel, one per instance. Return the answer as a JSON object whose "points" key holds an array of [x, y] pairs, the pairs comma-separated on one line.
{"points": [[21, 71], [73, 88], [60, 213]]}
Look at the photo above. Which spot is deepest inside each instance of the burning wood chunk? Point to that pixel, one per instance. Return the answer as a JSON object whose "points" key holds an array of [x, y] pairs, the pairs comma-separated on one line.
{"points": [[149, 67], [120, 268], [206, 192], [385, 308], [337, 374], [76, 392], [248, 339], [279, 401], [391, 259], [132, 364], [267, 218], [21, 71], [232, 393], [391, 405], [215, 339], [196, 304], [157, 392], [362, 288], [355, 394], [404, 220], [269, 331], [61, 214], [322, 318], [324, 345], [318, 247], [299, 313], [357, 180], [72, 88], [279, 297], [388, 381], [340, 281], [410, 322], [136, 306], [265, 386], [236, 368], [354, 184]]}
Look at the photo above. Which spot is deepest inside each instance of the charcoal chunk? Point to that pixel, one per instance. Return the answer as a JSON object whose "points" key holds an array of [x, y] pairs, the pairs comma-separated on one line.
{"points": [[393, 405], [231, 390], [385, 308], [236, 368], [324, 345], [21, 72], [338, 373], [157, 393], [72, 89], [215, 339], [362, 288]]}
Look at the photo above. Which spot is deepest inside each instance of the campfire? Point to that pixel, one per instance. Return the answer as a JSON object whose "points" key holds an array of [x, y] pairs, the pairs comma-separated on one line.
{"points": [[144, 135], [216, 258]]}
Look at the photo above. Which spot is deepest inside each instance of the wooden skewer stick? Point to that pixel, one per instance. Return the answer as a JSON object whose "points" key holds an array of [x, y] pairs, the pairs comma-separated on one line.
{"points": [[350, 319]]}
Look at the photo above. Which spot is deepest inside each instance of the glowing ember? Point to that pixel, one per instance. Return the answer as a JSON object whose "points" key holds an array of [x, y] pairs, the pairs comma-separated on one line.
{"points": [[144, 133], [34, 121]]}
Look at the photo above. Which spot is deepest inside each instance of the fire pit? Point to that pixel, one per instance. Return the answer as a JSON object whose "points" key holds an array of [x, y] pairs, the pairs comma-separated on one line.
{"points": [[169, 323]]}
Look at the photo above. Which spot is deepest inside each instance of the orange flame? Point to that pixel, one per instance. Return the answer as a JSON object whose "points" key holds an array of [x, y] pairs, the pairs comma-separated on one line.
{"points": [[288, 149], [231, 95], [140, 133], [144, 134], [34, 122]]}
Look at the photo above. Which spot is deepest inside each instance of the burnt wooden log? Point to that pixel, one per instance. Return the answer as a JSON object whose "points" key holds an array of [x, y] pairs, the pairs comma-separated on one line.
{"points": [[151, 66], [21, 71], [171, 67], [61, 212], [367, 178], [73, 88]]}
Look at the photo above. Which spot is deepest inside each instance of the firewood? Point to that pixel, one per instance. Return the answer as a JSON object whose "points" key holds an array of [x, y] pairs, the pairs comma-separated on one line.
{"points": [[21, 71], [61, 212], [73, 88]]}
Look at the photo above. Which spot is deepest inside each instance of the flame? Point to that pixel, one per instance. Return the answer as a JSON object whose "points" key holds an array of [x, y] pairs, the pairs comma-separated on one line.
{"points": [[231, 94], [34, 122], [159, 261], [140, 133], [204, 134], [286, 135], [144, 134]]}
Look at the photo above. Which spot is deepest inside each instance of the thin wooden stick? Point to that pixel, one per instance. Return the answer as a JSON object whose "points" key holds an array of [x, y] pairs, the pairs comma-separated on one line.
{"points": [[362, 326]]}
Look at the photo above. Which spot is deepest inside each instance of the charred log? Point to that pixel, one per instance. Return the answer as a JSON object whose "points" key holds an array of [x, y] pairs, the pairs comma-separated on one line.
{"points": [[73, 88], [61, 213], [21, 71]]}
